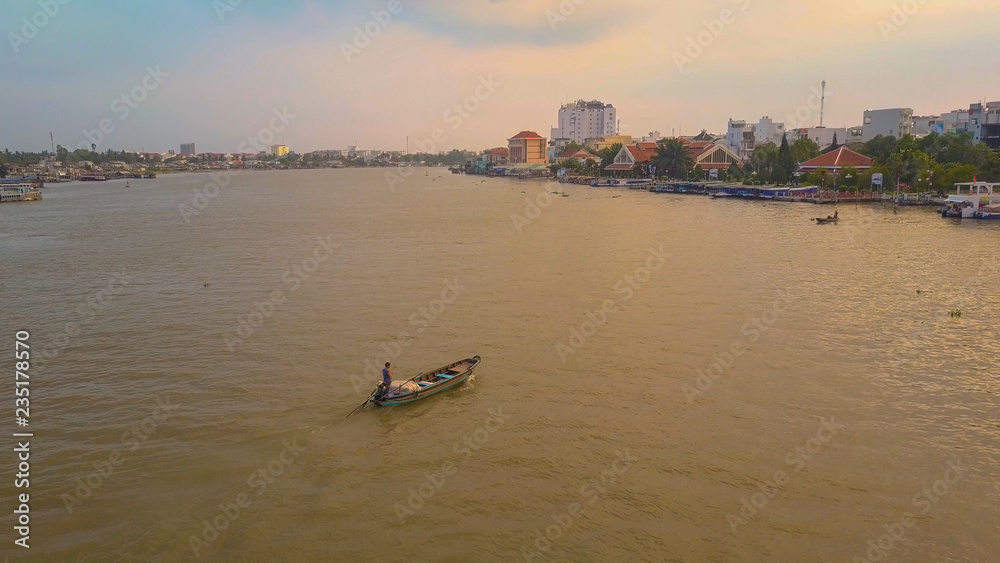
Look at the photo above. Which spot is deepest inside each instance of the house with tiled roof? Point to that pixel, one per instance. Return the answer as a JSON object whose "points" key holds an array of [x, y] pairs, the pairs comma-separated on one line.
{"points": [[709, 155], [498, 156], [837, 160], [580, 155], [633, 158], [527, 147]]}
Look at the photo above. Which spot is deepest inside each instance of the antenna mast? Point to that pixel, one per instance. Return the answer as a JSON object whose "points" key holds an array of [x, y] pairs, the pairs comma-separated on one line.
{"points": [[822, 104]]}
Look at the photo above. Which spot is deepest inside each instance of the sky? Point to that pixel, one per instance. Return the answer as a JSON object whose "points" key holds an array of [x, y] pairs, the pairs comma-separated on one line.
{"points": [[237, 75]]}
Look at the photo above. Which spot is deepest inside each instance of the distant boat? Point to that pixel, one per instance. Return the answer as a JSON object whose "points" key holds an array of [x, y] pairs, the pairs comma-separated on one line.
{"points": [[126, 184], [426, 384]]}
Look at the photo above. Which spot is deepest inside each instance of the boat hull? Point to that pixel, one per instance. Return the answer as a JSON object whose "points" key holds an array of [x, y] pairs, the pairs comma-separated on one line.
{"points": [[434, 389]]}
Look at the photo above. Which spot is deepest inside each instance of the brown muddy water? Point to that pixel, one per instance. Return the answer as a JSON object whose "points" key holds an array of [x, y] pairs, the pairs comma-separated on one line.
{"points": [[664, 377]]}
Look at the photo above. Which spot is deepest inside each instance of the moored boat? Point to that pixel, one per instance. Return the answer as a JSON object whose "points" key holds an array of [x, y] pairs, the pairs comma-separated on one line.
{"points": [[989, 213], [970, 200], [426, 384]]}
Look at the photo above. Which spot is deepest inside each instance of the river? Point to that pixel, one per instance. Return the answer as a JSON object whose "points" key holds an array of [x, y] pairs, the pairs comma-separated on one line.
{"points": [[664, 377]]}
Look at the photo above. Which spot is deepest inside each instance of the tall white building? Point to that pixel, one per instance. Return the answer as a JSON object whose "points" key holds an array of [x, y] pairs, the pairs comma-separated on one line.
{"points": [[984, 124], [584, 120], [823, 136], [741, 137], [768, 131], [895, 122]]}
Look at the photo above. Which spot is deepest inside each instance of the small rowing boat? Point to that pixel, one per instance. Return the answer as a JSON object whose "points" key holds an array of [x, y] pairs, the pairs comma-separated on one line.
{"points": [[425, 384], [821, 221]]}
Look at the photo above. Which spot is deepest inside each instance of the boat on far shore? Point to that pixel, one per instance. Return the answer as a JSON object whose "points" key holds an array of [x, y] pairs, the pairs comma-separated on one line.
{"points": [[971, 201]]}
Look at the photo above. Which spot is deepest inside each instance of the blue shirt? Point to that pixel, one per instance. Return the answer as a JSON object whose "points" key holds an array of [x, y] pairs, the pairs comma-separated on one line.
{"points": [[386, 378]]}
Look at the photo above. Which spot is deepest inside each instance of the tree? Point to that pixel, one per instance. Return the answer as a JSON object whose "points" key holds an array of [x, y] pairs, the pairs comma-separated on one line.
{"points": [[804, 149], [880, 148], [672, 157], [735, 173], [908, 165], [608, 154], [765, 158], [786, 163], [849, 177], [834, 145], [3, 170]]}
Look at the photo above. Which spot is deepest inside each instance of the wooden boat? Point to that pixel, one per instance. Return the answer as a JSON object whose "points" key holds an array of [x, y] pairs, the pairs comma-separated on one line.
{"points": [[429, 383], [821, 221]]}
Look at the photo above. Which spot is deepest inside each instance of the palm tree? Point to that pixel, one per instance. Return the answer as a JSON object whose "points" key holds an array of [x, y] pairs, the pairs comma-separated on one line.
{"points": [[672, 157], [608, 154]]}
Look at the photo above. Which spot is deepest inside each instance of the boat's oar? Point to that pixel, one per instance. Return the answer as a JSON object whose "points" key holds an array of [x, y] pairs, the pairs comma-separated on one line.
{"points": [[363, 405]]}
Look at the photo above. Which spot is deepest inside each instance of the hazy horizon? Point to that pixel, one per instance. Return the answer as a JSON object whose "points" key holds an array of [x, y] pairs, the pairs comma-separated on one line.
{"points": [[221, 72]]}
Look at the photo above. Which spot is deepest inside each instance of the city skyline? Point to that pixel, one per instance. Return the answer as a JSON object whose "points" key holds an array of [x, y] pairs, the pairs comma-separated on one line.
{"points": [[449, 75]]}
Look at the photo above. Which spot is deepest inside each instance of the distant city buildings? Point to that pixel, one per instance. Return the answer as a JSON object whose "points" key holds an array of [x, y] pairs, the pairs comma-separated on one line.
{"points": [[824, 136], [188, 148], [582, 120], [742, 137], [894, 122], [984, 124], [601, 143], [527, 147], [279, 150]]}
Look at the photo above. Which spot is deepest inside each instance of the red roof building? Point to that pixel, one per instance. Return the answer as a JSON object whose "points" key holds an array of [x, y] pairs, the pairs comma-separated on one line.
{"points": [[580, 155], [710, 155], [527, 147], [632, 157], [837, 160], [498, 156]]}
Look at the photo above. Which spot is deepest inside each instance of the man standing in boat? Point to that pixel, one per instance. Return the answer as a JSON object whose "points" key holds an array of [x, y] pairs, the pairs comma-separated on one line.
{"points": [[387, 375]]}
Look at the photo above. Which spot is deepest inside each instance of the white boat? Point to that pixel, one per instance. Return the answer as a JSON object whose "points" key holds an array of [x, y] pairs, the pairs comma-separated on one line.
{"points": [[990, 212], [970, 200]]}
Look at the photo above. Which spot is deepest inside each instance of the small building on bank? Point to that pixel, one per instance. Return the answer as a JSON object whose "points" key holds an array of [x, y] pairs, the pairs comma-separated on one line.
{"points": [[527, 147], [836, 160]]}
